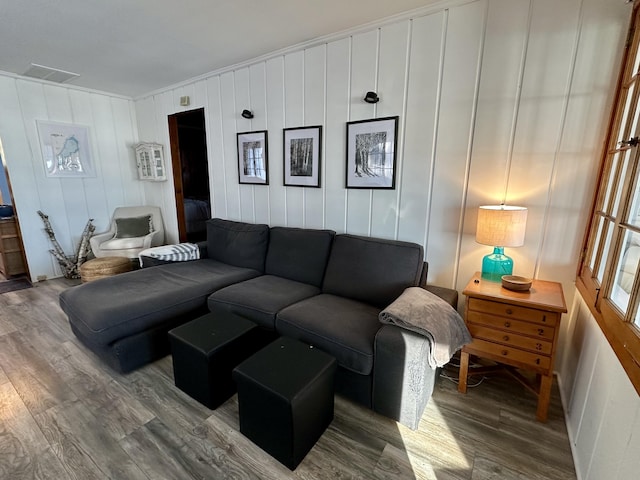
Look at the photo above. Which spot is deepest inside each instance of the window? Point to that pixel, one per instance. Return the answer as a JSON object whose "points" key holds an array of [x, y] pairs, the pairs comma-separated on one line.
{"points": [[609, 276]]}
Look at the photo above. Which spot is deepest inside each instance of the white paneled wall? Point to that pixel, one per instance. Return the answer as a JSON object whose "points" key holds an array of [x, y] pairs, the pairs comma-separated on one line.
{"points": [[603, 408], [498, 100], [69, 202]]}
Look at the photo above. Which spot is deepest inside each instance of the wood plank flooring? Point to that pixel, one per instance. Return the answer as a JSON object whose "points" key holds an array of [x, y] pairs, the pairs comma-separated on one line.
{"points": [[65, 415]]}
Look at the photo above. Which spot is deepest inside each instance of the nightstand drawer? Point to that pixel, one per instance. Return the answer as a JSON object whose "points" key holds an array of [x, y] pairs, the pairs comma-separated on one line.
{"points": [[509, 339], [508, 355], [511, 325], [520, 313]]}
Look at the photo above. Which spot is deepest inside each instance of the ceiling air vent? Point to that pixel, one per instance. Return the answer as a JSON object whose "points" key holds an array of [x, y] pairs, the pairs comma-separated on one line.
{"points": [[50, 74]]}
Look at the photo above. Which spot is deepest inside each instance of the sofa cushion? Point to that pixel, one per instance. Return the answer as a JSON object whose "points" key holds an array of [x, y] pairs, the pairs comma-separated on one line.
{"points": [[372, 270], [299, 254], [341, 327], [111, 308], [237, 243], [260, 298]]}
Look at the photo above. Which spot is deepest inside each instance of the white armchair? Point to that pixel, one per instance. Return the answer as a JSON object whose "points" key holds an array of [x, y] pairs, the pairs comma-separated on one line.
{"points": [[132, 230]]}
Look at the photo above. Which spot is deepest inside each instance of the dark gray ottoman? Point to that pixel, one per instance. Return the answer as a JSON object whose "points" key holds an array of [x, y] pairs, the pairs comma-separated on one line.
{"points": [[206, 350], [285, 398]]}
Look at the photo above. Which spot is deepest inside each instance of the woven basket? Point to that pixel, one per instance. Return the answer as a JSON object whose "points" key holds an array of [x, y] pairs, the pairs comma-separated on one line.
{"points": [[104, 267]]}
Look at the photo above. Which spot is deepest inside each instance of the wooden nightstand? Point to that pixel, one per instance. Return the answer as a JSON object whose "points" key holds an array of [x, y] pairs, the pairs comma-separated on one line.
{"points": [[518, 330]]}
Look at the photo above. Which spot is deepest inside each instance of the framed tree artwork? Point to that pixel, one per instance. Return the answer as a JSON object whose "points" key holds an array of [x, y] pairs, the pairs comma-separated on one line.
{"points": [[253, 155], [371, 153], [302, 147]]}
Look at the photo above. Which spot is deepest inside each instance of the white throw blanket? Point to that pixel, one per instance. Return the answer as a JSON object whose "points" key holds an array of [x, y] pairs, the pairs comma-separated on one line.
{"points": [[423, 312]]}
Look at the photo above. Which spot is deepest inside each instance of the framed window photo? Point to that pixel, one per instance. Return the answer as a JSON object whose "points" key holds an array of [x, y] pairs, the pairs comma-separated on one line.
{"points": [[65, 149], [253, 155], [371, 153], [302, 156]]}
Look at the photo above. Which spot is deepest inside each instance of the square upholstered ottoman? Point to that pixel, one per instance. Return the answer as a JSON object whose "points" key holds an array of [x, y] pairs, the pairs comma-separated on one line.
{"points": [[206, 350], [285, 398]]}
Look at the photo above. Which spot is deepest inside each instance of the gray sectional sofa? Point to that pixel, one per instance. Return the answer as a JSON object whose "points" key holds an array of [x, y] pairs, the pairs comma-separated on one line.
{"points": [[322, 288]]}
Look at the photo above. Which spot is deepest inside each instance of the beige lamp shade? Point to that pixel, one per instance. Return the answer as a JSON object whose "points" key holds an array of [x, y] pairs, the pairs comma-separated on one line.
{"points": [[501, 225]]}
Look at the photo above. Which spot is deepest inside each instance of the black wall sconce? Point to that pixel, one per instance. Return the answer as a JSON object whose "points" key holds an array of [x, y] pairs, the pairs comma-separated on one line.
{"points": [[371, 97], [247, 114]]}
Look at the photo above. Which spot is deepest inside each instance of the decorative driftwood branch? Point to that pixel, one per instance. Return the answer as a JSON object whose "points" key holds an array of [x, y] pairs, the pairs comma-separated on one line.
{"points": [[70, 264]]}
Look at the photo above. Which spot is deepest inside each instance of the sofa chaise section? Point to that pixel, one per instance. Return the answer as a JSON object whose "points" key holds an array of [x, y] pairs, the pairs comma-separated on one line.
{"points": [[125, 319]]}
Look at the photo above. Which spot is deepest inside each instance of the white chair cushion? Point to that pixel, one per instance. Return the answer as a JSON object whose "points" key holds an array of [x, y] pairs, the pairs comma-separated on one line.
{"points": [[122, 243]]}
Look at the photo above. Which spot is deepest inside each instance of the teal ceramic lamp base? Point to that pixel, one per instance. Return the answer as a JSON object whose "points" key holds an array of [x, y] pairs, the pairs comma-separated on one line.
{"points": [[496, 264]]}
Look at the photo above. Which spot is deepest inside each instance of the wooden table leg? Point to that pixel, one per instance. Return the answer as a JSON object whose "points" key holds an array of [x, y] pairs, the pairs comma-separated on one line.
{"points": [[464, 370], [544, 397]]}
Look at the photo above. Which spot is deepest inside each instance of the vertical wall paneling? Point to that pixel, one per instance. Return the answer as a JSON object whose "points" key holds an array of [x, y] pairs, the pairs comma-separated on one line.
{"points": [[582, 136], [549, 57], [231, 121], [604, 409], [69, 202], [419, 125], [276, 117], [503, 57], [216, 149], [314, 113], [615, 419], [243, 100], [364, 64], [18, 148], [294, 79], [464, 37], [338, 75], [391, 86], [57, 100], [34, 107], [257, 88]]}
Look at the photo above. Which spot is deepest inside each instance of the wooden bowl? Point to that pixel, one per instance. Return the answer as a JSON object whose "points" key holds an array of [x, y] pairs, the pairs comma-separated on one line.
{"points": [[516, 283]]}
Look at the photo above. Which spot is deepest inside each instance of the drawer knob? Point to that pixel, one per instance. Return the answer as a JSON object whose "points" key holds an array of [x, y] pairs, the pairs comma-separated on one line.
{"points": [[505, 338], [507, 324], [537, 361], [509, 311], [540, 331], [544, 318], [505, 352]]}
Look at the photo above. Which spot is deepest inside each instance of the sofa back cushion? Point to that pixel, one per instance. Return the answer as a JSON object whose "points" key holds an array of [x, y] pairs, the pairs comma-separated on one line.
{"points": [[372, 270], [237, 243], [299, 254]]}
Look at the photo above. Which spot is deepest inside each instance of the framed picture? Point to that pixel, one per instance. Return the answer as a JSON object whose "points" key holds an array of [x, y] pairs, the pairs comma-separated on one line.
{"points": [[371, 153], [65, 149], [253, 154], [302, 156]]}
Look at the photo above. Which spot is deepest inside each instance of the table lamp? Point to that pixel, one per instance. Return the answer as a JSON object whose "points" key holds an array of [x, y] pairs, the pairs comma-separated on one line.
{"points": [[500, 226]]}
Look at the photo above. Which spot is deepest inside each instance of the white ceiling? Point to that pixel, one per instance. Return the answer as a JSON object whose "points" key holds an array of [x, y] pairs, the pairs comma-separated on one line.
{"points": [[132, 47]]}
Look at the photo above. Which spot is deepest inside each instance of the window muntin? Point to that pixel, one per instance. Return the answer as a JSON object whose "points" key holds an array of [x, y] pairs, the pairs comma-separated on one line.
{"points": [[609, 277]]}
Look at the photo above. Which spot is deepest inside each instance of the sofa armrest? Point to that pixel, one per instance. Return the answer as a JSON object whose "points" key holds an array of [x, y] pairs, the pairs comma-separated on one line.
{"points": [[98, 239], [202, 246], [449, 295], [403, 381]]}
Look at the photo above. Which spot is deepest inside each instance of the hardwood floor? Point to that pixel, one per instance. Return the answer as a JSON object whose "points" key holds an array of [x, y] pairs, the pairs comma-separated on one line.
{"points": [[64, 415]]}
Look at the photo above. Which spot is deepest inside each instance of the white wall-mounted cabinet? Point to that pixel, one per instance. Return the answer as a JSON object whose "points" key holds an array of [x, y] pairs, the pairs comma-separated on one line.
{"points": [[150, 162]]}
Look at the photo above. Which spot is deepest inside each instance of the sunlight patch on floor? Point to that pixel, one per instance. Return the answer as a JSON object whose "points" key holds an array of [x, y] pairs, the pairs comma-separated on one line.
{"points": [[434, 448]]}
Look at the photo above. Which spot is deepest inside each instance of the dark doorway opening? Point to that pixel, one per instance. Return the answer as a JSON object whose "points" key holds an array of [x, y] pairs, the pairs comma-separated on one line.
{"points": [[188, 136]]}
